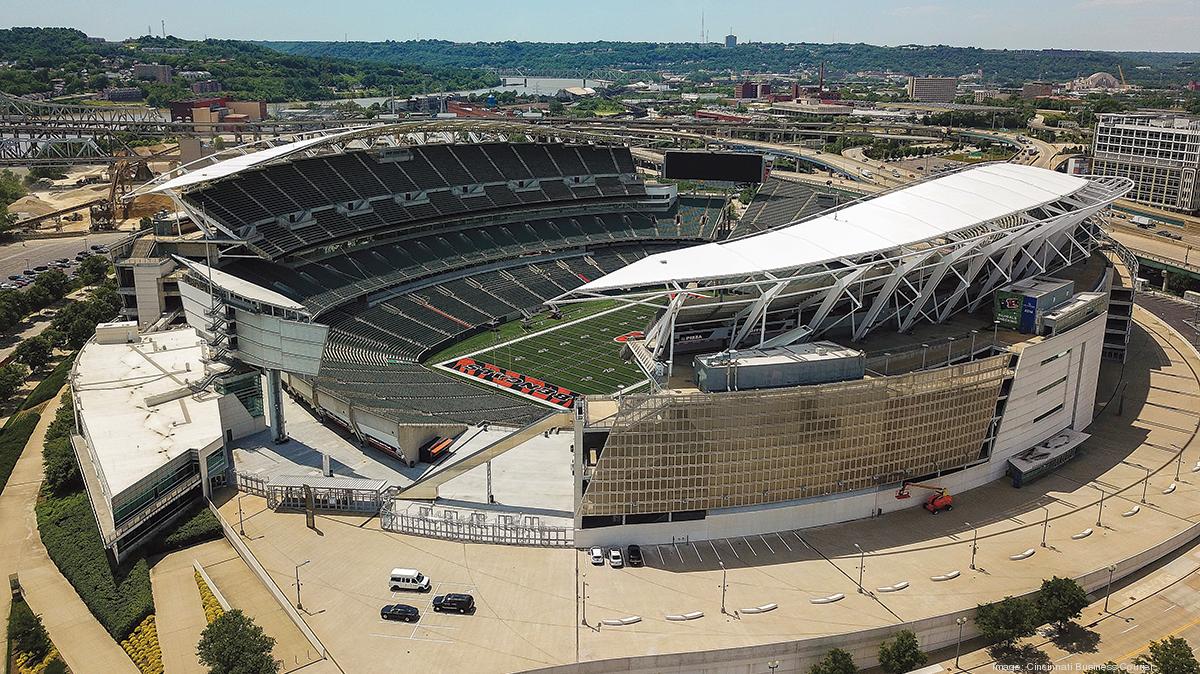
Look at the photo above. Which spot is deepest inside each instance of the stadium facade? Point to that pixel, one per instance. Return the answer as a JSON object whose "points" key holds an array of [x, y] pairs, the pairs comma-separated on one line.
{"points": [[338, 264]]}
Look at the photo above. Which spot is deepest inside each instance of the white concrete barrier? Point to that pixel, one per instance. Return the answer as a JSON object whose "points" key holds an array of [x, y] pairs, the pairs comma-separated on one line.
{"points": [[759, 609], [685, 616], [949, 575], [1170, 489], [1132, 511], [1022, 555], [895, 587], [618, 622], [1082, 534], [827, 600]]}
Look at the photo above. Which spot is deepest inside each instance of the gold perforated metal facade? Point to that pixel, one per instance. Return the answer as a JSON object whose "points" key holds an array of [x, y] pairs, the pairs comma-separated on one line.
{"points": [[670, 453]]}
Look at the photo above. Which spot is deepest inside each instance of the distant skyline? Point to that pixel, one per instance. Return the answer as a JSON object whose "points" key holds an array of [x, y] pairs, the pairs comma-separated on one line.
{"points": [[1113, 25]]}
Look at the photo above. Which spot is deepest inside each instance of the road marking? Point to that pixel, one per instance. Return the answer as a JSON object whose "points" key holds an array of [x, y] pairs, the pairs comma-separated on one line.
{"points": [[733, 549], [697, 551], [714, 549], [747, 542], [412, 638], [784, 541], [764, 542], [1130, 629]]}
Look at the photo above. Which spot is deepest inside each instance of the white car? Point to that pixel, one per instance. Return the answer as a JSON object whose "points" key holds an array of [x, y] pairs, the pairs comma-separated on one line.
{"points": [[614, 558], [597, 556]]}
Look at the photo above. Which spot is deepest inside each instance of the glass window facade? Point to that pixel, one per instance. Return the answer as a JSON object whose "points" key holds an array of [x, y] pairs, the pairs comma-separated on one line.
{"points": [[671, 453]]}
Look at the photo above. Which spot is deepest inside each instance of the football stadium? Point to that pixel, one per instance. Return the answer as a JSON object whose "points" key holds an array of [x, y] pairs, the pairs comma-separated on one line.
{"points": [[439, 296]]}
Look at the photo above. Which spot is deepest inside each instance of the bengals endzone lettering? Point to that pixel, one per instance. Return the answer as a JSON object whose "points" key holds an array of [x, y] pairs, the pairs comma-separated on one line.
{"points": [[516, 381]]}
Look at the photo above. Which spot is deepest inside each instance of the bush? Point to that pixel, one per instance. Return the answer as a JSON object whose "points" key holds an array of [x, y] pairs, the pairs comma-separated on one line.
{"points": [[13, 437], [12, 377], [119, 598], [143, 647], [1005, 621], [195, 527], [27, 633], [63, 425], [60, 468], [51, 384], [836, 661], [233, 644], [901, 655]]}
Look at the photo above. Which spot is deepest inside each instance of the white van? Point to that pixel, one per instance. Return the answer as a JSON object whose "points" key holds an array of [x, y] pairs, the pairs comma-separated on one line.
{"points": [[408, 579]]}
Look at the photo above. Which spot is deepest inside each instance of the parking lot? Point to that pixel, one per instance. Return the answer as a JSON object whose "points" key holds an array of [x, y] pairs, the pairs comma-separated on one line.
{"points": [[16, 257]]}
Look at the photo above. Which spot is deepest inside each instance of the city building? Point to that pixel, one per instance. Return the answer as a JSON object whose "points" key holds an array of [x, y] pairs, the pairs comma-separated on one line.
{"points": [[730, 41], [1160, 153], [991, 95], [124, 94], [763, 90], [205, 87], [153, 71], [810, 108], [932, 89], [745, 90], [1033, 90]]}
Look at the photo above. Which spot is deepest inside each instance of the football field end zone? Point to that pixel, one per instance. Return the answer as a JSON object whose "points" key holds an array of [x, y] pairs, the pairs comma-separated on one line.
{"points": [[484, 382]]}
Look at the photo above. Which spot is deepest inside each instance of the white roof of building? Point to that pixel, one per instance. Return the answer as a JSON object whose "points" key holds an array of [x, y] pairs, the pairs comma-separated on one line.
{"points": [[919, 213], [241, 287], [128, 437]]}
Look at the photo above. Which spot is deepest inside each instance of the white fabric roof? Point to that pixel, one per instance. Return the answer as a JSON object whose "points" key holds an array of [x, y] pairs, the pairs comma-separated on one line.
{"points": [[228, 167], [241, 287], [918, 213]]}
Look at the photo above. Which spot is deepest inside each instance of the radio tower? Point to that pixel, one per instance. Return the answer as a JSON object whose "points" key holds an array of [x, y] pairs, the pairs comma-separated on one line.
{"points": [[702, 34]]}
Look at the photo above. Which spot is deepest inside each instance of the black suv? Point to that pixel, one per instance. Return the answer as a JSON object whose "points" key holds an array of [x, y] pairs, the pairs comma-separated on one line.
{"points": [[408, 614], [463, 603], [634, 558]]}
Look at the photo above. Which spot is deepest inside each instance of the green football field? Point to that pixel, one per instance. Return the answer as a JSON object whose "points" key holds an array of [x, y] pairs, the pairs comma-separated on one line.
{"points": [[579, 356]]}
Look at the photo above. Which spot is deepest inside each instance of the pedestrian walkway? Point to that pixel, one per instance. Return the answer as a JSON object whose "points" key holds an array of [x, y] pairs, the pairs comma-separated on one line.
{"points": [[179, 614], [85, 645]]}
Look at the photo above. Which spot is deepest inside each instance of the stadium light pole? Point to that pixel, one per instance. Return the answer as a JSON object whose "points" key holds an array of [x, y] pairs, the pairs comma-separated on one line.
{"points": [[862, 558]]}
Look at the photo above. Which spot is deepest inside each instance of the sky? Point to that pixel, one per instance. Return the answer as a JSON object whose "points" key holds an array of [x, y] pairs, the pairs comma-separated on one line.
{"points": [[1117, 25]]}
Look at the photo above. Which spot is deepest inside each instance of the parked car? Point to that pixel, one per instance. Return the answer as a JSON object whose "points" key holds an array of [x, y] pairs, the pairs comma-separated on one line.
{"points": [[402, 612], [14, 277], [463, 603], [29, 273], [635, 556], [63, 260], [408, 579], [8, 286], [83, 253], [597, 555], [97, 247], [615, 560]]}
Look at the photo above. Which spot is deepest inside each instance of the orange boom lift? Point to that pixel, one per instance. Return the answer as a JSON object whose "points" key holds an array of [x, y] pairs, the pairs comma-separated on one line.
{"points": [[938, 501]]}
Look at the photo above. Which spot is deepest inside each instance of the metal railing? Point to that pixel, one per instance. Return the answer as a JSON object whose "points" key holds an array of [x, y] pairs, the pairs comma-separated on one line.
{"points": [[474, 526]]}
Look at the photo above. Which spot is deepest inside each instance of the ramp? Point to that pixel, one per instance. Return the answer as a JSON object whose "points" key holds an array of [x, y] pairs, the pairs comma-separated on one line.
{"points": [[426, 487]]}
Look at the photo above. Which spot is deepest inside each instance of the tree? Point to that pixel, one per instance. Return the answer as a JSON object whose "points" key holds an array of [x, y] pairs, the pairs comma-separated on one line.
{"points": [[1005, 621], [34, 352], [12, 376], [93, 270], [901, 655], [1169, 656], [836, 661], [27, 632], [1061, 601], [233, 644], [55, 282]]}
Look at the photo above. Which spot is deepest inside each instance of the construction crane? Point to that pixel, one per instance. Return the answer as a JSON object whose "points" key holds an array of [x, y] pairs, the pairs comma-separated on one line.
{"points": [[938, 501], [1121, 70]]}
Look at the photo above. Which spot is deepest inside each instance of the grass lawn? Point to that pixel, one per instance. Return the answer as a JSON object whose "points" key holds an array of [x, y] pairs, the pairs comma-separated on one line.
{"points": [[581, 357]]}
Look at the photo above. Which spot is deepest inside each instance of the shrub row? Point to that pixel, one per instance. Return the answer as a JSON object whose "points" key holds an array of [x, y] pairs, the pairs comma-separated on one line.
{"points": [[197, 526], [51, 384], [120, 598], [13, 437], [59, 465], [143, 647]]}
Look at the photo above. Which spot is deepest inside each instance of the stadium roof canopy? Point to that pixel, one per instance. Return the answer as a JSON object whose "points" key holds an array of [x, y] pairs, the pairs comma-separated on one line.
{"points": [[930, 210]]}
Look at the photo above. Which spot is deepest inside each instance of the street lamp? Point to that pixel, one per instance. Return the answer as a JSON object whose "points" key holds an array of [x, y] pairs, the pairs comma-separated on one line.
{"points": [[583, 596], [241, 528], [949, 350], [299, 605], [1108, 591], [722, 586], [862, 556], [1178, 460], [924, 354], [974, 540], [1045, 524], [1101, 511], [958, 648], [773, 665]]}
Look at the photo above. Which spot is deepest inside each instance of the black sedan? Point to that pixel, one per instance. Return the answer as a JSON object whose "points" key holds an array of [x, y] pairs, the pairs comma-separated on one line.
{"points": [[634, 558], [403, 612]]}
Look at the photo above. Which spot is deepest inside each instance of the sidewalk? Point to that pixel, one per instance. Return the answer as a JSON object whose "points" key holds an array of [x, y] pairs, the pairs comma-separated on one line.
{"points": [[179, 614], [85, 645]]}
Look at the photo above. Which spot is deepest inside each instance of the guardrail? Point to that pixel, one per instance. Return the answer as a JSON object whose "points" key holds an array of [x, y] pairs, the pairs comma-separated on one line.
{"points": [[475, 526]]}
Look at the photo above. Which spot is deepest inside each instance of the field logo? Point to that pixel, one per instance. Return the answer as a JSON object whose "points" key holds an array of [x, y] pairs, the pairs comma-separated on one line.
{"points": [[555, 395], [631, 335]]}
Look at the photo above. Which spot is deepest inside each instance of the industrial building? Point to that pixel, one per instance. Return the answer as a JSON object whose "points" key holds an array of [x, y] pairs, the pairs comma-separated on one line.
{"points": [[932, 89], [1159, 153]]}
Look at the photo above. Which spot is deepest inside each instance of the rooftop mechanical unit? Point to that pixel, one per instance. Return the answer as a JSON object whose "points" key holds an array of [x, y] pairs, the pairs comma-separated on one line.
{"points": [[797, 365]]}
